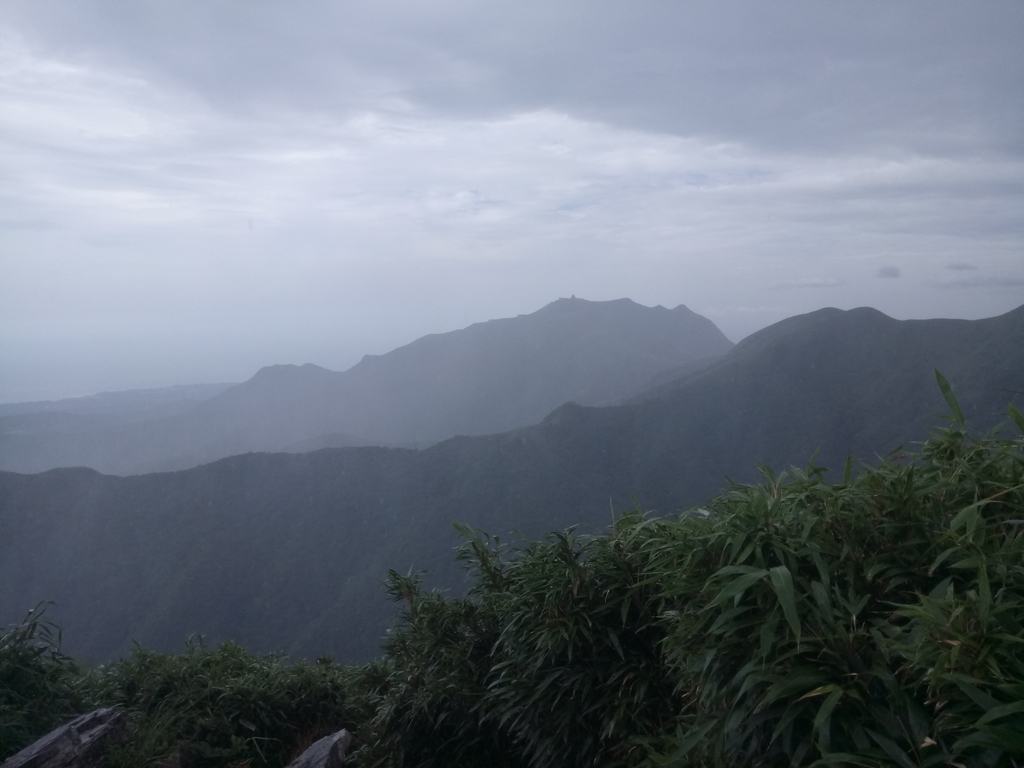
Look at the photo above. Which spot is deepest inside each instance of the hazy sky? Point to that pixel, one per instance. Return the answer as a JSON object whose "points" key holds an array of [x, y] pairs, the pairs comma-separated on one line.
{"points": [[191, 190]]}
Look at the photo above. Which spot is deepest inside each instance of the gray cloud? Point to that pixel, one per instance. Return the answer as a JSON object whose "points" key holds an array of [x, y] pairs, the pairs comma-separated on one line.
{"points": [[236, 184], [806, 282], [805, 75], [962, 266], [888, 272], [1010, 284]]}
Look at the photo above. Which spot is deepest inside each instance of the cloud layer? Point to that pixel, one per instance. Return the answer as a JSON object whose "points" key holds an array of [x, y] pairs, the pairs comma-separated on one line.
{"points": [[188, 194]]}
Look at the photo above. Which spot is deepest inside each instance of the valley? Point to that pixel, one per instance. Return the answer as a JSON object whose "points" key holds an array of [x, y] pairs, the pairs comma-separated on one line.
{"points": [[288, 551]]}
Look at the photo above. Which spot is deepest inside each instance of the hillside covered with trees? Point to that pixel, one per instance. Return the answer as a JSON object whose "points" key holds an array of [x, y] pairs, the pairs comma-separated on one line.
{"points": [[874, 620], [286, 552]]}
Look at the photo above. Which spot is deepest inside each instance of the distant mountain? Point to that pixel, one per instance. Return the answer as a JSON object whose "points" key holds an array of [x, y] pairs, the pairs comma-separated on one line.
{"points": [[130, 405], [330, 440], [288, 552], [489, 377], [43, 434]]}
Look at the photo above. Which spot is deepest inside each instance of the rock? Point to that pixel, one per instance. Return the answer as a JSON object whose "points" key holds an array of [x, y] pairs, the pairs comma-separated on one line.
{"points": [[82, 743], [182, 757], [329, 752]]}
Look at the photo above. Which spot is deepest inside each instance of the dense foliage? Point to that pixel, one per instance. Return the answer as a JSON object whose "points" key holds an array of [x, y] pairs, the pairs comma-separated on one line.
{"points": [[796, 622], [37, 682], [876, 621], [224, 707]]}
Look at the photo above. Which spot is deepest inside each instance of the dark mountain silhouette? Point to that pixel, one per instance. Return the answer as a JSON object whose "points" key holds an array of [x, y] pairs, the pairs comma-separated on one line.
{"points": [[330, 440], [288, 551], [489, 377]]}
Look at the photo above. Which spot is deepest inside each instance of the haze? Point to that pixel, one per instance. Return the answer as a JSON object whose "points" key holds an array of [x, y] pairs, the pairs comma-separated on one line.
{"points": [[191, 192]]}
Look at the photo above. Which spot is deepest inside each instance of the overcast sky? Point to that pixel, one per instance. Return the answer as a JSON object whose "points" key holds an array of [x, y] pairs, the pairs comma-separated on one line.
{"points": [[192, 190]]}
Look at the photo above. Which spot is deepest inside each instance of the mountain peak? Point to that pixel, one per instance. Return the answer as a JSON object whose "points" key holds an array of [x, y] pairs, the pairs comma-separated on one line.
{"points": [[487, 378]]}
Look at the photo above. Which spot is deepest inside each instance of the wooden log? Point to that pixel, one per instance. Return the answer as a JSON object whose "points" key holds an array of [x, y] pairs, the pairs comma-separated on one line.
{"points": [[329, 752], [82, 743]]}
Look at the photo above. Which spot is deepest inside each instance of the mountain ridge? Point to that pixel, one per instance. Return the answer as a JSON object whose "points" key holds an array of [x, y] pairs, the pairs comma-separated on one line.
{"points": [[488, 377], [287, 552]]}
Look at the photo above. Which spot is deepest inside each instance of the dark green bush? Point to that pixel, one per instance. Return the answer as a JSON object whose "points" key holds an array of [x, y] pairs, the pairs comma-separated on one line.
{"points": [[873, 622], [226, 706], [38, 683]]}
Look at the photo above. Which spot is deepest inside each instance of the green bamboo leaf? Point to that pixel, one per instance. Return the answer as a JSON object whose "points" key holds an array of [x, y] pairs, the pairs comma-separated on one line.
{"points": [[614, 638], [821, 690], [738, 586], [941, 590], [940, 558], [1008, 739], [792, 713], [874, 569], [891, 748], [768, 632], [819, 563], [782, 583], [797, 680], [727, 616], [1008, 638], [967, 562], [1017, 416], [984, 593], [978, 696], [690, 740], [1001, 711], [821, 598], [826, 708], [808, 527], [967, 517], [840, 758], [747, 551], [951, 401]]}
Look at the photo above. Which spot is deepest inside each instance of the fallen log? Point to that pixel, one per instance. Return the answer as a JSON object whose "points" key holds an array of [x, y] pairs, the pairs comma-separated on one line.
{"points": [[82, 743]]}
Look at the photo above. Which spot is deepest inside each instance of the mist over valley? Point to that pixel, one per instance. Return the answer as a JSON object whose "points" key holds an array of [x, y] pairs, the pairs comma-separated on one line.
{"points": [[489, 377], [287, 552], [511, 385]]}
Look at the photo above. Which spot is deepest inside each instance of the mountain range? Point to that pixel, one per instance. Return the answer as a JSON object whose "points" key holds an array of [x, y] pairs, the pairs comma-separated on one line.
{"points": [[288, 551], [487, 378]]}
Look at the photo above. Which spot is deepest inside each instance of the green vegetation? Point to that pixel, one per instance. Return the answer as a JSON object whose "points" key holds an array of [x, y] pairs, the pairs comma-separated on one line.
{"points": [[286, 552], [873, 622], [876, 621], [226, 706], [38, 683]]}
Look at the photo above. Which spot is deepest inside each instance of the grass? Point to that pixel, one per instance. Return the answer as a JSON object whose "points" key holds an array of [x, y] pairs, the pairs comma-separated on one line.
{"points": [[38, 684]]}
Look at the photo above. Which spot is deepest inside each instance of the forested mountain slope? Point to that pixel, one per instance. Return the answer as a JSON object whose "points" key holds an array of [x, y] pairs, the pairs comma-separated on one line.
{"points": [[287, 552]]}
